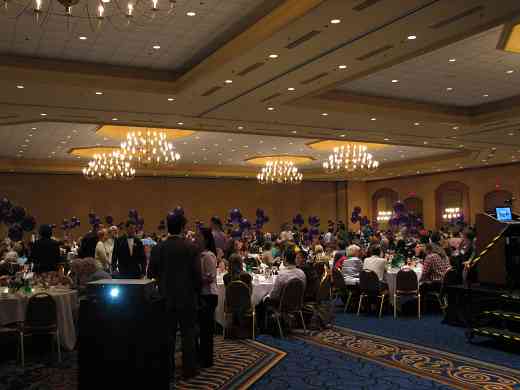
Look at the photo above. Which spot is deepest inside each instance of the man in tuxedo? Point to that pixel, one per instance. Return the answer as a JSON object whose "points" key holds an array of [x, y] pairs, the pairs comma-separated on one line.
{"points": [[128, 255], [45, 254], [178, 264], [88, 243]]}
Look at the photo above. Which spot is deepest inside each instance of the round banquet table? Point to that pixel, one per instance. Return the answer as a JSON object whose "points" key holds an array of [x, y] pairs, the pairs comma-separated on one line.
{"points": [[261, 288], [391, 277], [13, 306]]}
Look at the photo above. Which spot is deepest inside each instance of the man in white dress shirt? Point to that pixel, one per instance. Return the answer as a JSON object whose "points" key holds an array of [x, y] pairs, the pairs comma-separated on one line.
{"points": [[375, 262]]}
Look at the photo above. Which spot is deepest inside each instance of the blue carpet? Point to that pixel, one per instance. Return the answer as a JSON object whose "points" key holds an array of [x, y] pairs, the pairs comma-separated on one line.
{"points": [[430, 332], [308, 366]]}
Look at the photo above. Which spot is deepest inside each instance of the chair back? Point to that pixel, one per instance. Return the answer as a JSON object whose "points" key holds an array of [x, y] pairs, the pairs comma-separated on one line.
{"points": [[406, 281], [41, 311], [292, 296], [238, 297], [368, 282], [337, 279], [324, 293]]}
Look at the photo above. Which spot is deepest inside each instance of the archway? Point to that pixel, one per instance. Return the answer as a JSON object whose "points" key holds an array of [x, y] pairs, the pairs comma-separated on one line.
{"points": [[451, 195], [383, 201]]}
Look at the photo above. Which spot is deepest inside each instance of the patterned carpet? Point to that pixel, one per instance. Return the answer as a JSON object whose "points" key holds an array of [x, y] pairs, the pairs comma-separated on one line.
{"points": [[238, 364], [442, 367]]}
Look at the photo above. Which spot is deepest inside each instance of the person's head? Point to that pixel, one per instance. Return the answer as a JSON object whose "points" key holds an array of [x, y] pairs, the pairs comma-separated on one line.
{"points": [[290, 256], [131, 227], [237, 245], [300, 257], [219, 254], [176, 223], [235, 263], [113, 231], [374, 250], [102, 234], [215, 223], [268, 245], [45, 231], [18, 248], [353, 251], [469, 234], [428, 248], [208, 242], [318, 249], [342, 245], [435, 238], [419, 249]]}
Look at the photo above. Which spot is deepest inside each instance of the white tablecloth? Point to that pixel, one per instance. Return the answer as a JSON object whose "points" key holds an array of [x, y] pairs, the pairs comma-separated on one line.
{"points": [[391, 277], [261, 288], [12, 309]]}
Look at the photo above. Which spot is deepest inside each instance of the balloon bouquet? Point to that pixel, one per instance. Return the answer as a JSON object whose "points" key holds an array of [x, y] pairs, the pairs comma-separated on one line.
{"points": [[17, 220]]}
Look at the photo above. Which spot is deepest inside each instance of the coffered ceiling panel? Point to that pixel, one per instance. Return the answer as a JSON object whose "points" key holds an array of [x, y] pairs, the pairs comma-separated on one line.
{"points": [[467, 73], [183, 39]]}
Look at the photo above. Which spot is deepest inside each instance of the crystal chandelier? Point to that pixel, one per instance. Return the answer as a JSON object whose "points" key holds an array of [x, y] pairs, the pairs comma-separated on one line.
{"points": [[149, 148], [279, 171], [351, 158], [117, 13], [111, 166]]}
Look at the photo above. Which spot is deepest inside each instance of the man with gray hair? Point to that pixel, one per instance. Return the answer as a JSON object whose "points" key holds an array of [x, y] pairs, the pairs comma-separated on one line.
{"points": [[352, 266]]}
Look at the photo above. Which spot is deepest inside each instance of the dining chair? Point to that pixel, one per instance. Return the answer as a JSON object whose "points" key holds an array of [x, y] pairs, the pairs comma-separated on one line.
{"points": [[369, 287], [237, 304], [341, 288], [291, 302], [406, 284], [450, 278], [40, 318]]}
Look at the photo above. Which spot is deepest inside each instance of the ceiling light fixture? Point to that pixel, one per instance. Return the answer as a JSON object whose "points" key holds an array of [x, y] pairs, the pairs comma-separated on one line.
{"points": [[510, 71], [324, 114], [156, 47], [43, 114], [273, 56], [20, 86], [148, 147], [342, 66], [279, 172], [449, 89], [181, 124], [270, 108], [350, 158], [228, 81], [395, 81], [373, 119], [99, 93], [82, 38], [291, 89], [191, 13], [115, 119], [335, 21], [452, 60], [411, 37], [111, 166]]}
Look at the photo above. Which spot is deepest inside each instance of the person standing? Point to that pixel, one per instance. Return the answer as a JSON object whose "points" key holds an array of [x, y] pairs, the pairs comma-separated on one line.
{"points": [[218, 234], [178, 264], [45, 254], [101, 256], [208, 298], [128, 256]]}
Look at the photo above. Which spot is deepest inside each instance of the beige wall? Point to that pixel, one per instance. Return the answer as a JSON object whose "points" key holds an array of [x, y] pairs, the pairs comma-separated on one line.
{"points": [[51, 198], [479, 181]]}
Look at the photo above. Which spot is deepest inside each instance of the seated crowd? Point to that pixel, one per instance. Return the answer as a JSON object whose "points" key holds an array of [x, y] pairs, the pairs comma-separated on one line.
{"points": [[187, 265]]}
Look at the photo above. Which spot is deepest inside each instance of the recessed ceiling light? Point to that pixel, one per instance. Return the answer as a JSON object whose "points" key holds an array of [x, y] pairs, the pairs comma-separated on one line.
{"points": [[510, 71], [261, 141], [240, 127], [290, 142], [395, 81], [291, 89], [181, 123], [324, 114], [335, 21], [387, 139], [99, 93], [452, 60], [342, 66], [115, 119], [246, 146], [425, 142], [402, 156], [82, 38], [416, 124], [273, 56], [43, 114], [274, 148], [270, 108], [343, 135], [373, 119], [228, 81], [156, 47], [230, 139], [511, 134], [33, 128], [455, 127], [171, 99], [191, 13], [20, 86], [411, 37], [294, 131], [449, 89], [485, 95], [461, 146]]}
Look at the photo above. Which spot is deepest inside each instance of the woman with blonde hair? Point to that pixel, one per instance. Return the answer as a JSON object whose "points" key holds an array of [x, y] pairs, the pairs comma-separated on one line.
{"points": [[101, 254]]}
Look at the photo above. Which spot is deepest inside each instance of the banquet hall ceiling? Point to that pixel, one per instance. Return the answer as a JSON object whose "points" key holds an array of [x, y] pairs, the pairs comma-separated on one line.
{"points": [[291, 73], [55, 142]]}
